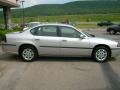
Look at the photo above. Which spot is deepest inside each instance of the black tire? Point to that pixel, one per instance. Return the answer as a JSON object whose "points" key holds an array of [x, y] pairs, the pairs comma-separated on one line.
{"points": [[113, 32], [101, 53], [28, 53]]}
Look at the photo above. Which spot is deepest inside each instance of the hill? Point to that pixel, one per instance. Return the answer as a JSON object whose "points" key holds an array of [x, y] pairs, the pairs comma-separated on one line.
{"points": [[72, 8]]}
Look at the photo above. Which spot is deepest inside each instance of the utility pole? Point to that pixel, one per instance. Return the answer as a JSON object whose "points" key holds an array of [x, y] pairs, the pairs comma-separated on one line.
{"points": [[23, 13]]}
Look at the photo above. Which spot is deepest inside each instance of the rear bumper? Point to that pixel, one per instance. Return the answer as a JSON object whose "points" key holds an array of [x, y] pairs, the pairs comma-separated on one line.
{"points": [[9, 48]]}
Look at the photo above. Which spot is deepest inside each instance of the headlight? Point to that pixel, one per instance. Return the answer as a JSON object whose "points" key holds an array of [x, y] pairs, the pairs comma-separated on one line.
{"points": [[118, 45]]}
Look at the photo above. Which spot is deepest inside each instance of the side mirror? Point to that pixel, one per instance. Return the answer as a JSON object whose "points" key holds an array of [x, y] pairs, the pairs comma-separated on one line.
{"points": [[81, 36], [92, 35]]}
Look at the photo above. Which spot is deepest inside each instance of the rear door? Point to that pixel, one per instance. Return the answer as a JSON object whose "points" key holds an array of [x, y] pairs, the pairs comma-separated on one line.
{"points": [[47, 40]]}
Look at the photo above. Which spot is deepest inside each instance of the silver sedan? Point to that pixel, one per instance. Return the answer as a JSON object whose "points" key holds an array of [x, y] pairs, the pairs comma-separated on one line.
{"points": [[59, 40]]}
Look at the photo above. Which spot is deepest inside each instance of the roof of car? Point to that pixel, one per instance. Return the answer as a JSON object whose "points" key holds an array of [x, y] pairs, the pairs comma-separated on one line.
{"points": [[52, 24], [33, 22], [56, 24]]}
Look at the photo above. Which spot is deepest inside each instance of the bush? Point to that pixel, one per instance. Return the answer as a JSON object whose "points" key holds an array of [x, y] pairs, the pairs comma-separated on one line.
{"points": [[2, 35], [3, 32]]}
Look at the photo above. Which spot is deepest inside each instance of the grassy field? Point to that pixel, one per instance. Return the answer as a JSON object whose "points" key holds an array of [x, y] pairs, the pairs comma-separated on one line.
{"points": [[72, 18], [81, 21]]}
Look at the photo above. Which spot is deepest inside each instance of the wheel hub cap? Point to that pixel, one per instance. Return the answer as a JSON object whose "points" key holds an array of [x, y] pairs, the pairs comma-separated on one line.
{"points": [[101, 54], [28, 54]]}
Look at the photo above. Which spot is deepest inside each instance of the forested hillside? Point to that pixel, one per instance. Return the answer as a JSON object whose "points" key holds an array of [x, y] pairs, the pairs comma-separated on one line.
{"points": [[72, 8]]}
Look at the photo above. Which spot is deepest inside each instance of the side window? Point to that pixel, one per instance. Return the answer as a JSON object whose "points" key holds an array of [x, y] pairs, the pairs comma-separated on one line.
{"points": [[36, 31], [68, 32], [45, 31], [48, 31]]}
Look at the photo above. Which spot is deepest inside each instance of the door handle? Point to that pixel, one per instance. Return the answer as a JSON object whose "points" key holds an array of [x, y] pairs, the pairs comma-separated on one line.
{"points": [[37, 39], [64, 40]]}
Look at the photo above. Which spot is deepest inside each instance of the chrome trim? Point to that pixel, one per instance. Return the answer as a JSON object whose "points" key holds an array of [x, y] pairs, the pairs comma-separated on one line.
{"points": [[8, 44], [66, 47]]}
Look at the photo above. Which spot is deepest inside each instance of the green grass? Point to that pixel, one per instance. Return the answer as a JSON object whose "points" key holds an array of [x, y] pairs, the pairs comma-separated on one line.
{"points": [[81, 21], [72, 18]]}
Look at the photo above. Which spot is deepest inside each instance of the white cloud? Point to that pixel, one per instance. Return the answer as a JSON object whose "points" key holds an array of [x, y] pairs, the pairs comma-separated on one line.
{"points": [[31, 2]]}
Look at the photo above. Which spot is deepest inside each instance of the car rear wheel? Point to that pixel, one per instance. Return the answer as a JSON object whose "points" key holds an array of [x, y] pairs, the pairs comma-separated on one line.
{"points": [[101, 54], [112, 32], [28, 53]]}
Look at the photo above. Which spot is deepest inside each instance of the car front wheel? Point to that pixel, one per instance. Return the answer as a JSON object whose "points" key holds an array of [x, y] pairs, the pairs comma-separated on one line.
{"points": [[101, 54], [28, 53]]}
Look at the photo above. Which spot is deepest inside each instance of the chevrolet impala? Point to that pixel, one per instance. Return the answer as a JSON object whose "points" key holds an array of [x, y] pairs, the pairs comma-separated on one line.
{"points": [[54, 39]]}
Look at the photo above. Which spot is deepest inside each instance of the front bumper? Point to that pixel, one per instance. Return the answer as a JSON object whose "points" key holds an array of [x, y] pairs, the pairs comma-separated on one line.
{"points": [[115, 52]]}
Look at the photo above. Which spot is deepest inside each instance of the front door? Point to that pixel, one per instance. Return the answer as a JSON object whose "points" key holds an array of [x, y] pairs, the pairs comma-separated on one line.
{"points": [[71, 44]]}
